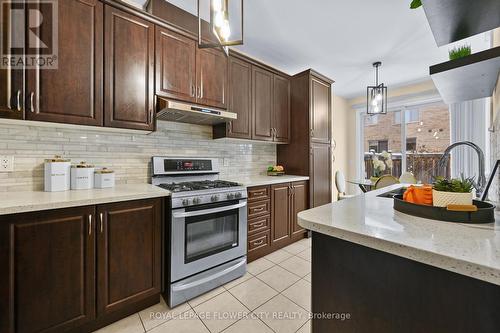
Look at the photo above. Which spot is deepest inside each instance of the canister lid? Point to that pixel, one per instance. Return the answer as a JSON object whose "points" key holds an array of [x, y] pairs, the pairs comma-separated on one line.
{"points": [[104, 170], [57, 158], [82, 165]]}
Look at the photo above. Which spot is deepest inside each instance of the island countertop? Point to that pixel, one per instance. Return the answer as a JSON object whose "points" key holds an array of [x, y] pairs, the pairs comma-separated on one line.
{"points": [[371, 221]]}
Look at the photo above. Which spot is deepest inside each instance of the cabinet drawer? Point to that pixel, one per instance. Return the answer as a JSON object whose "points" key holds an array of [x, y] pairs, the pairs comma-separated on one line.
{"points": [[258, 224], [259, 208], [258, 193], [259, 241]]}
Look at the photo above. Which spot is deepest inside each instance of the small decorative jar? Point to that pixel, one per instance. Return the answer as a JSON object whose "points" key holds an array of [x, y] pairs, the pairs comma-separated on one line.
{"points": [[104, 178], [57, 174], [82, 176]]}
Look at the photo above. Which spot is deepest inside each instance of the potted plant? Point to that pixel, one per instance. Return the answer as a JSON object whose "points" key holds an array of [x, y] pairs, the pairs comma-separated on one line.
{"points": [[380, 164], [459, 52], [452, 191]]}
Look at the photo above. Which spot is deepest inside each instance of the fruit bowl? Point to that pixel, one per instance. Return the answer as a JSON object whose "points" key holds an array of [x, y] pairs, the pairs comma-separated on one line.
{"points": [[275, 170], [275, 173]]}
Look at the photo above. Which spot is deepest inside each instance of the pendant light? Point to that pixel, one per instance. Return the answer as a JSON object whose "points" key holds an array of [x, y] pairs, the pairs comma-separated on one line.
{"points": [[376, 96], [219, 25]]}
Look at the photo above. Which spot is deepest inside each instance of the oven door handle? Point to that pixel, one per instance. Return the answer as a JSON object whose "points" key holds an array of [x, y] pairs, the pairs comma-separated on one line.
{"points": [[209, 211]]}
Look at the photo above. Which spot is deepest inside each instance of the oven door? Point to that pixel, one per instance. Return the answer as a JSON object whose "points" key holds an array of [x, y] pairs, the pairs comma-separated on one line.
{"points": [[206, 236]]}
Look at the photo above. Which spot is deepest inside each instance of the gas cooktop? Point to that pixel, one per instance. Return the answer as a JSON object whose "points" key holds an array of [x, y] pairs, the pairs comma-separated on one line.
{"points": [[197, 185]]}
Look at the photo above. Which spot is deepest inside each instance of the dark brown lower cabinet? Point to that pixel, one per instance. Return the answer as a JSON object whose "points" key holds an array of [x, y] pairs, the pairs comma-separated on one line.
{"points": [[273, 228], [129, 253], [78, 269]]}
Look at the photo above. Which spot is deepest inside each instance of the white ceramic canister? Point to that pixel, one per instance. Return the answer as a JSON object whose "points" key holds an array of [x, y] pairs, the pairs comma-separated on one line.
{"points": [[104, 178], [82, 176], [57, 174]]}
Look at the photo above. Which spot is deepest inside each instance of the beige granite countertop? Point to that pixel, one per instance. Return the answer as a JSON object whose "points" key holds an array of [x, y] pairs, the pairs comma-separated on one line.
{"points": [[368, 220], [20, 202], [266, 180]]}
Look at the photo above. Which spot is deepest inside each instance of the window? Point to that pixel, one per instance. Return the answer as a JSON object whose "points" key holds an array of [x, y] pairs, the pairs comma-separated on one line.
{"points": [[412, 116], [378, 146], [411, 144], [426, 136]]}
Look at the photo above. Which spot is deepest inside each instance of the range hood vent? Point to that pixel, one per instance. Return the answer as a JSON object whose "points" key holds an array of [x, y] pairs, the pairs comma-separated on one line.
{"points": [[193, 114]]}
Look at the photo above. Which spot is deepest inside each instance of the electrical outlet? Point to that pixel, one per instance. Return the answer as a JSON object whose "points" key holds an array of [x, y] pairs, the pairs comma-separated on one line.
{"points": [[6, 163], [225, 161]]}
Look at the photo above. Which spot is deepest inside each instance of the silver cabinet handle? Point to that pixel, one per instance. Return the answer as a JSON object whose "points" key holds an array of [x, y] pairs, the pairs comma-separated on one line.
{"points": [[32, 97], [258, 242], [101, 217], [257, 225], [90, 225], [19, 100], [193, 90]]}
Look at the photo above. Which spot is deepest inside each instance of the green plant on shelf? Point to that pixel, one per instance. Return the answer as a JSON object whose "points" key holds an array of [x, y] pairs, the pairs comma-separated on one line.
{"points": [[459, 52], [457, 185], [415, 4]]}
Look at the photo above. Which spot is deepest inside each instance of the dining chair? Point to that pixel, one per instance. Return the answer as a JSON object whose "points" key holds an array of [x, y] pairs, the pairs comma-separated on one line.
{"points": [[386, 180], [341, 185], [407, 178]]}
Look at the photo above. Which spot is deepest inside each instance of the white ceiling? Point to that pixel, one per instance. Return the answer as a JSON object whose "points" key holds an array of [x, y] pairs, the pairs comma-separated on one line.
{"points": [[341, 39]]}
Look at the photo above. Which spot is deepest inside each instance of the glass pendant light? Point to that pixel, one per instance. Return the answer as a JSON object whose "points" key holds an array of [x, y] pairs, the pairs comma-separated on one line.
{"points": [[220, 26], [376, 95]]}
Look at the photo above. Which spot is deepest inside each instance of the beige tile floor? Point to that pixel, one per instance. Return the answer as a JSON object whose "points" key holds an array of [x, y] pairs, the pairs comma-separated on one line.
{"points": [[274, 296]]}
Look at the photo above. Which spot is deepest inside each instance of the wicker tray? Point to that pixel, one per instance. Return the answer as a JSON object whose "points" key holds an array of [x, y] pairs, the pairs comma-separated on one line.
{"points": [[485, 212], [276, 173]]}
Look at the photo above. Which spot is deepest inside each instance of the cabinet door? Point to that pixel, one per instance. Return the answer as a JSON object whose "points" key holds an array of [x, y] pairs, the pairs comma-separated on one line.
{"points": [[211, 68], [128, 253], [320, 111], [129, 68], [300, 201], [281, 108], [47, 270], [72, 93], [11, 80], [262, 104], [320, 174], [240, 98], [175, 65], [280, 214]]}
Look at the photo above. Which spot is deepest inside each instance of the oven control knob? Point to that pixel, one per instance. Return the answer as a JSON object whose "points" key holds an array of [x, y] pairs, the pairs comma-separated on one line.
{"points": [[185, 202], [230, 196], [237, 195], [196, 201], [214, 198]]}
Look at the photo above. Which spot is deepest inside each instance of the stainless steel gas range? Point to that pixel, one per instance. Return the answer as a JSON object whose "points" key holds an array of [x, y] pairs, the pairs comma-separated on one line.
{"points": [[205, 229]]}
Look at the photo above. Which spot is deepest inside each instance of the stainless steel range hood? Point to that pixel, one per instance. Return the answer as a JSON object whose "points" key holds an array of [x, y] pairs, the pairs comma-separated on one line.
{"points": [[193, 114]]}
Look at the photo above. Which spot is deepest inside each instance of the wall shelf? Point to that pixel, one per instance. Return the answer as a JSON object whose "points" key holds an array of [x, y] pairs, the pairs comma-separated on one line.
{"points": [[468, 78], [453, 20]]}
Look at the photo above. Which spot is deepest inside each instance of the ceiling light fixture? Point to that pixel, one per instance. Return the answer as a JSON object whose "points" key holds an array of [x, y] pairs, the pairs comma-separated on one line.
{"points": [[219, 25], [376, 96]]}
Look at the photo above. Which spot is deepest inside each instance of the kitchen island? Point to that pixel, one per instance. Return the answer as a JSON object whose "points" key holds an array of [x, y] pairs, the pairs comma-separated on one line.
{"points": [[378, 270]]}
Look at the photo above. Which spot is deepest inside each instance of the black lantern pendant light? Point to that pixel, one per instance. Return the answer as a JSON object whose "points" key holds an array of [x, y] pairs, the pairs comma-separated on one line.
{"points": [[376, 96], [219, 24]]}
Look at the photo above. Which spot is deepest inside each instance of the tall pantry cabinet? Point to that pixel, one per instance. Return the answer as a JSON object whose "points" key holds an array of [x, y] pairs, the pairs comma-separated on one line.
{"points": [[310, 150]]}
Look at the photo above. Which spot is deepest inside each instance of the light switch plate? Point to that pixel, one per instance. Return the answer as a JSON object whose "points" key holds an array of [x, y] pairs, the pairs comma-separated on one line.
{"points": [[6, 163], [226, 162]]}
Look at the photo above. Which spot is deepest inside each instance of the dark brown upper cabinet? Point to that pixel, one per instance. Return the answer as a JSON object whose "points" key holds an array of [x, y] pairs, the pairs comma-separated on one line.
{"points": [[211, 75], [47, 278], [240, 99], [320, 111], [72, 93], [175, 65], [281, 108], [129, 71], [11, 80], [262, 104], [129, 253]]}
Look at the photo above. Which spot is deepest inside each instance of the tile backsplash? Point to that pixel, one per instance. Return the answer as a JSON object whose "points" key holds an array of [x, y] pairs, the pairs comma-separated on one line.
{"points": [[128, 153]]}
